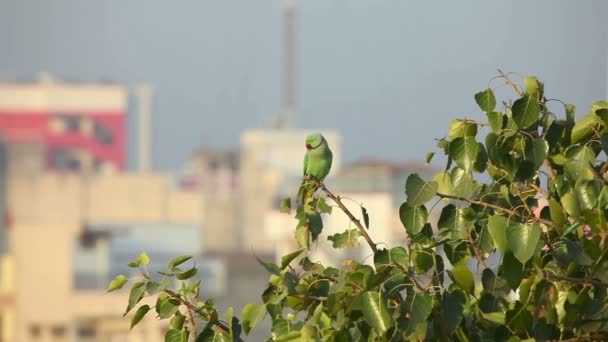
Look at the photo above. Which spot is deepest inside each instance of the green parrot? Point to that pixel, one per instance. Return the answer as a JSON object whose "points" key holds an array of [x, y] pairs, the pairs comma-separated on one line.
{"points": [[318, 157], [317, 163]]}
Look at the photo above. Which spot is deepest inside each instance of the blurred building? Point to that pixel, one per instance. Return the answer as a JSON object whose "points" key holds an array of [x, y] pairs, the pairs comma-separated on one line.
{"points": [[78, 125], [71, 234], [215, 174], [380, 176]]}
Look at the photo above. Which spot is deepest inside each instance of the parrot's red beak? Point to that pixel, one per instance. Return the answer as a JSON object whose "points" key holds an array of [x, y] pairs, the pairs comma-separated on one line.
{"points": [[308, 146]]}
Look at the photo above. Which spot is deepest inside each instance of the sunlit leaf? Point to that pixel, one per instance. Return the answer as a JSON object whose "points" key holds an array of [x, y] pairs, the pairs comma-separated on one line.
{"points": [[418, 191], [525, 111]]}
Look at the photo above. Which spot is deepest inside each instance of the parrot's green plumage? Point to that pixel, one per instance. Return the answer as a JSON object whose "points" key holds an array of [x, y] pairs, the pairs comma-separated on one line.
{"points": [[317, 163]]}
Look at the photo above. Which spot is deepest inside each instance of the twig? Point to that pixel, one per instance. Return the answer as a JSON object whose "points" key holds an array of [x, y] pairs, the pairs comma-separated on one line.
{"points": [[513, 85], [550, 171], [477, 254], [497, 208], [598, 175], [350, 215], [192, 307], [539, 189], [576, 280]]}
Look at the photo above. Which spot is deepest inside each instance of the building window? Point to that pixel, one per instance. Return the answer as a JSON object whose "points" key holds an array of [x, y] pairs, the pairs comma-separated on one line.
{"points": [[71, 123], [58, 331], [86, 331], [35, 331], [63, 159], [103, 135]]}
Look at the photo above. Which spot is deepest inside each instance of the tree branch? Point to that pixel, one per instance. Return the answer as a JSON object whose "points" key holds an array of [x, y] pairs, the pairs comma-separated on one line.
{"points": [[575, 280], [477, 254], [199, 311], [509, 82], [497, 208], [350, 215]]}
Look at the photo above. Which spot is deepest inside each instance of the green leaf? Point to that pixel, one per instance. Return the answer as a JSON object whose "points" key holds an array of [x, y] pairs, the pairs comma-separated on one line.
{"points": [[497, 227], [462, 276], [444, 181], [323, 206], [570, 204], [455, 221], [418, 191], [587, 194], [456, 250], [347, 239], [252, 315], [413, 218], [585, 128], [270, 267], [494, 285], [462, 183], [302, 236], [556, 212], [495, 119], [486, 100], [424, 259], [511, 270], [429, 157], [464, 152], [374, 311], [419, 307], [460, 128], [177, 322], [153, 287], [178, 261], [166, 306], [453, 309], [365, 216], [117, 283], [523, 239], [139, 314], [495, 317], [285, 205], [174, 335], [285, 260], [136, 294], [525, 111], [537, 152], [142, 259], [316, 225], [187, 275]]}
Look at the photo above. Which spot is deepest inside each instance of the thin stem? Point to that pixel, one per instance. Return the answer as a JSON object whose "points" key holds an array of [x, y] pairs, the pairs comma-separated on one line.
{"points": [[192, 307], [477, 254], [513, 85], [575, 280], [498, 208], [350, 215]]}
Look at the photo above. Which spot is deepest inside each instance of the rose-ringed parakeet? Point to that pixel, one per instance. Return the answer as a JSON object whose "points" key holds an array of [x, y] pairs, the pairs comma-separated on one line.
{"points": [[317, 163], [318, 157]]}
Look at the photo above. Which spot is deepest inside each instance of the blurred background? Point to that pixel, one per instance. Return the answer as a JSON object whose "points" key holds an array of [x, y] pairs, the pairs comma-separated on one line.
{"points": [[176, 127]]}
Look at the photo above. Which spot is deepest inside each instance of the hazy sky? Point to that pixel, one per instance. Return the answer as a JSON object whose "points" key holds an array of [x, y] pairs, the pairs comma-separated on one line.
{"points": [[389, 74]]}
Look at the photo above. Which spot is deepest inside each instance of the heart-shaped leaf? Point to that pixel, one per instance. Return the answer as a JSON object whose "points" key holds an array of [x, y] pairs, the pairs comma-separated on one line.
{"points": [[522, 240]]}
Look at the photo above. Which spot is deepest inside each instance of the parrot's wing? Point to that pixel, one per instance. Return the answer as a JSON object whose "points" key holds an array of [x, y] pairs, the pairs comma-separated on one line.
{"points": [[305, 163]]}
